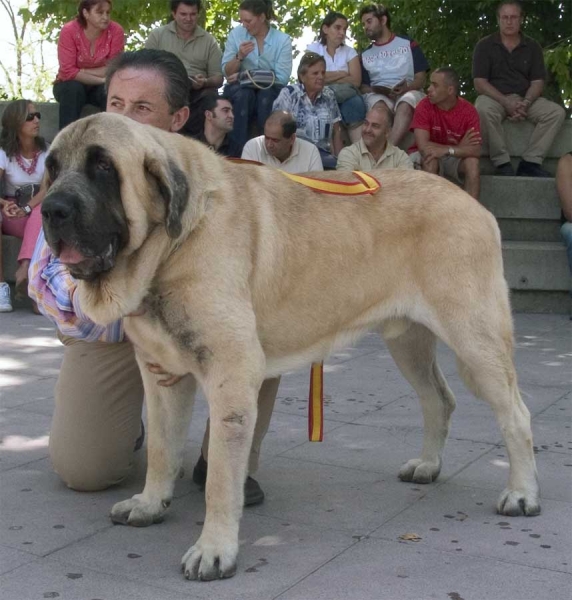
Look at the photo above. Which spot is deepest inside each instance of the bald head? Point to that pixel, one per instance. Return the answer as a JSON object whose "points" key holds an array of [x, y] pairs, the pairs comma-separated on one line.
{"points": [[376, 127], [280, 134], [284, 120]]}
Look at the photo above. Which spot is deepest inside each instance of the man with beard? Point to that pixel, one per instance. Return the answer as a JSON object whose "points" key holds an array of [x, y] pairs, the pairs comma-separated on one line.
{"points": [[374, 150], [393, 69], [218, 123]]}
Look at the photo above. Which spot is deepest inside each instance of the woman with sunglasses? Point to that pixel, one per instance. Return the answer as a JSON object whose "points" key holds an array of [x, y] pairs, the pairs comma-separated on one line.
{"points": [[85, 47], [343, 71], [22, 157]]}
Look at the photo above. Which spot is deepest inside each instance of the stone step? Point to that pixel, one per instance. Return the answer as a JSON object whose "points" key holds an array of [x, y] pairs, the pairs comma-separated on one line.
{"points": [[526, 208], [536, 266], [522, 230], [520, 197]]}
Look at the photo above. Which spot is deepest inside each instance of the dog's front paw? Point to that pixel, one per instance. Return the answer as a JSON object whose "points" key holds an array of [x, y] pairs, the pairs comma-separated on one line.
{"points": [[206, 561], [418, 471], [138, 512], [515, 503]]}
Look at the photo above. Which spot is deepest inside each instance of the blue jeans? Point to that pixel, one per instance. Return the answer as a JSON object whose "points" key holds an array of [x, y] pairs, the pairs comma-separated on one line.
{"points": [[566, 233], [249, 105], [353, 110]]}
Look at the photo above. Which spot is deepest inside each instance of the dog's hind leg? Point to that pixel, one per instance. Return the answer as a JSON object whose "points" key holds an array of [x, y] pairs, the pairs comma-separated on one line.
{"points": [[414, 354], [169, 412], [486, 367]]}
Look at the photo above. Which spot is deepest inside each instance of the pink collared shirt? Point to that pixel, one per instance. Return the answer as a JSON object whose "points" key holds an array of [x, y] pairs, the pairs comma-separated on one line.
{"points": [[74, 49]]}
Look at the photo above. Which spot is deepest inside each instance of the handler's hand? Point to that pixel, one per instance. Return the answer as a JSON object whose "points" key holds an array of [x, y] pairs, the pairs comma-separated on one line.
{"points": [[158, 370]]}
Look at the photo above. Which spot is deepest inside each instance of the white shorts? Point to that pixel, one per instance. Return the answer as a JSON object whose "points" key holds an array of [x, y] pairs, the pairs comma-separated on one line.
{"points": [[412, 98]]}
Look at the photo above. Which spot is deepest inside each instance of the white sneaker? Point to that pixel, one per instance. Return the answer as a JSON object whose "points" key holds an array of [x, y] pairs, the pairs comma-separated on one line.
{"points": [[5, 302]]}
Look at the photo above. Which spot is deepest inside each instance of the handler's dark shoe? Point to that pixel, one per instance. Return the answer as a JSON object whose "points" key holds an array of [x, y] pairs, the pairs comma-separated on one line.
{"points": [[505, 170], [530, 169], [253, 493]]}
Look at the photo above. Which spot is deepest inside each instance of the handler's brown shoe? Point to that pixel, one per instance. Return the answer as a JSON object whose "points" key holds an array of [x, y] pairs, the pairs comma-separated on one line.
{"points": [[253, 493]]}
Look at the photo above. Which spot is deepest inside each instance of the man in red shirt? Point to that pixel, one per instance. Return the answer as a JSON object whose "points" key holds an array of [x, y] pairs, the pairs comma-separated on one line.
{"points": [[447, 132]]}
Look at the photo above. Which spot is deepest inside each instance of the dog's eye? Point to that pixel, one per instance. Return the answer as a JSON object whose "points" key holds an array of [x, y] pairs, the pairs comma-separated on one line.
{"points": [[53, 168], [103, 164]]}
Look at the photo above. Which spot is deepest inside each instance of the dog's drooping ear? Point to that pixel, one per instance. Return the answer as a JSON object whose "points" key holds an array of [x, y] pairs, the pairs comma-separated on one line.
{"points": [[174, 188]]}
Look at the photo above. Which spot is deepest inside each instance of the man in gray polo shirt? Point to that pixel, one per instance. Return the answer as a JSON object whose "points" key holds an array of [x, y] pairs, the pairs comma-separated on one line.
{"points": [[197, 50], [509, 74]]}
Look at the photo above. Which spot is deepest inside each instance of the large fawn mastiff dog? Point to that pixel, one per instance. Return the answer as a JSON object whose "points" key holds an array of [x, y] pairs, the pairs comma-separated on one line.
{"points": [[243, 274]]}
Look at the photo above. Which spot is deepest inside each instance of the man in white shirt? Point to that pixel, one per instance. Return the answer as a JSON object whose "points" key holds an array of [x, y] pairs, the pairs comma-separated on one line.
{"points": [[374, 150], [279, 147]]}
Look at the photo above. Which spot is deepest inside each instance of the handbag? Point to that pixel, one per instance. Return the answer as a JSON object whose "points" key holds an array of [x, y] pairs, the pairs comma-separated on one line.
{"points": [[25, 193], [257, 78], [343, 91]]}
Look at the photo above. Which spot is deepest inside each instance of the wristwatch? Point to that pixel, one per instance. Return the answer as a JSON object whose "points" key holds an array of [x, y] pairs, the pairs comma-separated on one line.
{"points": [[238, 57], [451, 151], [26, 208]]}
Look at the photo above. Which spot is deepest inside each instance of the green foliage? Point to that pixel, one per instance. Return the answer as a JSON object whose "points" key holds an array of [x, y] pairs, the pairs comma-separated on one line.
{"points": [[447, 30]]}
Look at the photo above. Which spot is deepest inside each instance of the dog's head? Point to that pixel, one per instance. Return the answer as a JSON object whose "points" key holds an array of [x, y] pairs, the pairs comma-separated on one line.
{"points": [[110, 181]]}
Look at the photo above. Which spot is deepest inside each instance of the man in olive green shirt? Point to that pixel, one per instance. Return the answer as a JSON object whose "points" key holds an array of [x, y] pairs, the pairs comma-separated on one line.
{"points": [[197, 50], [374, 150]]}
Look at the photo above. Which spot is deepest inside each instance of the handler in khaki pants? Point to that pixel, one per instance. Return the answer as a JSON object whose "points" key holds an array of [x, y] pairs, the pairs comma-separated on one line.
{"points": [[99, 394], [97, 418]]}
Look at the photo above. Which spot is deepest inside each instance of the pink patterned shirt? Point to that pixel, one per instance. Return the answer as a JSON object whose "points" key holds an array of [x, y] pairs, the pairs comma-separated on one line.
{"points": [[74, 52]]}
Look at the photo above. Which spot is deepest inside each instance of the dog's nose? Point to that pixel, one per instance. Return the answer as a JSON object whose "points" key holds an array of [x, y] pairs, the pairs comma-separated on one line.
{"points": [[57, 209]]}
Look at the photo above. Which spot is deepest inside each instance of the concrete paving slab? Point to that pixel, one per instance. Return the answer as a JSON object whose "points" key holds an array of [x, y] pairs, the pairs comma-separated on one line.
{"points": [[25, 391], [491, 472], [383, 449], [332, 497], [11, 559], [23, 438], [323, 501], [458, 519], [380, 570], [274, 554], [49, 578]]}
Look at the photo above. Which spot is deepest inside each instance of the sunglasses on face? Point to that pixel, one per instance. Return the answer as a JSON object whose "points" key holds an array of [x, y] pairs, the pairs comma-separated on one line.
{"points": [[32, 116]]}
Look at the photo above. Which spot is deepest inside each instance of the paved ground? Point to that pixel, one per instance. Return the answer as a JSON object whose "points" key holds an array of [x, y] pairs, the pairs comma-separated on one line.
{"points": [[334, 513]]}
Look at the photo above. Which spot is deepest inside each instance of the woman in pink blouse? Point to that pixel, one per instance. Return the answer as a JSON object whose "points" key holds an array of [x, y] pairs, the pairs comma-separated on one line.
{"points": [[85, 47]]}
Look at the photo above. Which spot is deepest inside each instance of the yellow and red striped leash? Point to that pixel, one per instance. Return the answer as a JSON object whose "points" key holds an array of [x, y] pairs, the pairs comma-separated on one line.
{"points": [[366, 184], [316, 403]]}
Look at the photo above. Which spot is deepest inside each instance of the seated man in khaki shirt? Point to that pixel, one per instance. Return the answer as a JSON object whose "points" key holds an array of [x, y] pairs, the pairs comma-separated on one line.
{"points": [[374, 150], [197, 50]]}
